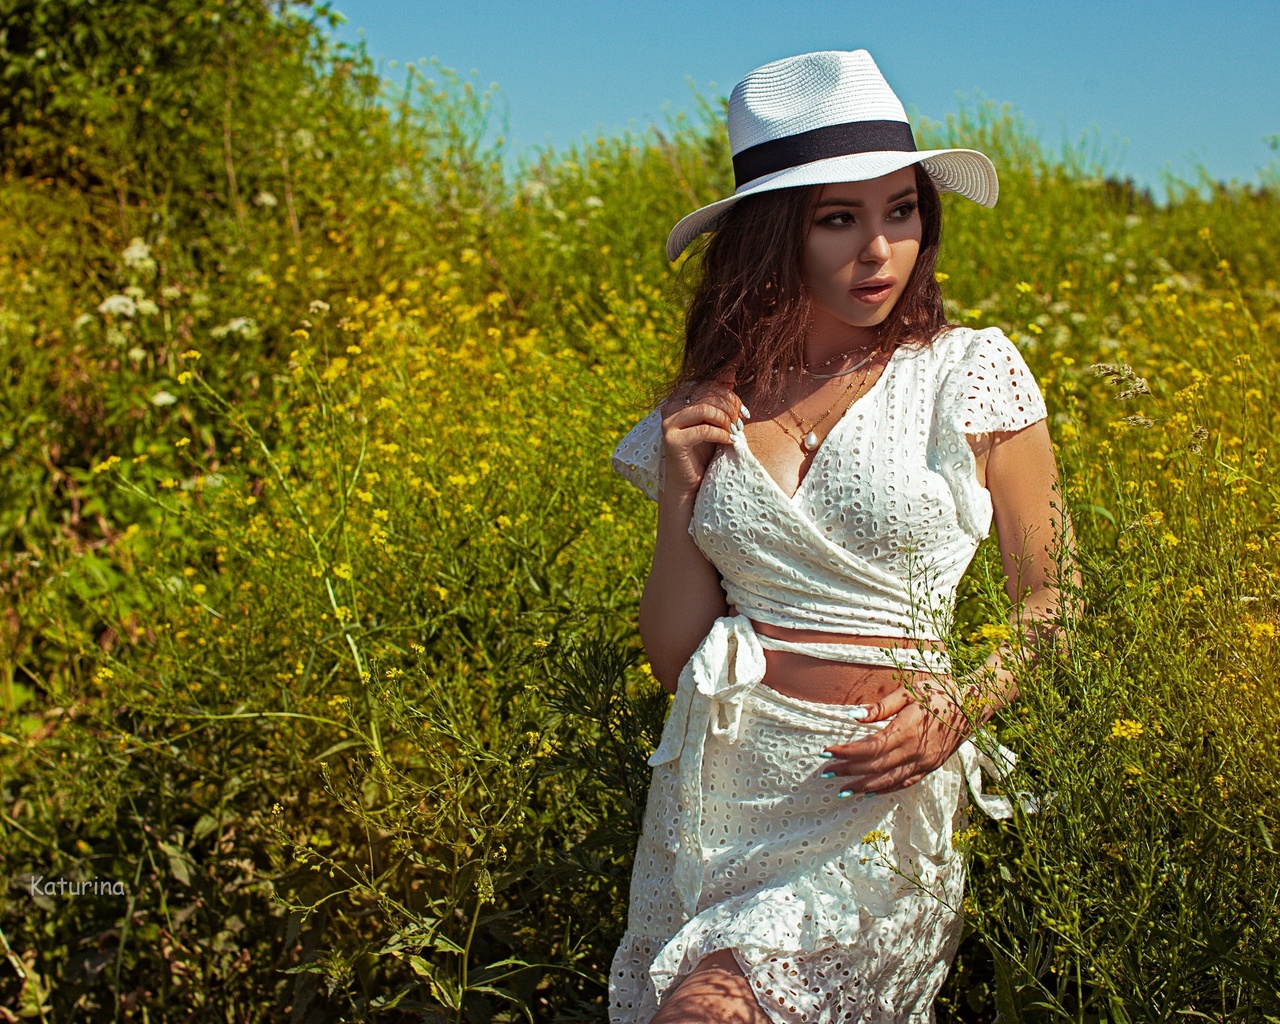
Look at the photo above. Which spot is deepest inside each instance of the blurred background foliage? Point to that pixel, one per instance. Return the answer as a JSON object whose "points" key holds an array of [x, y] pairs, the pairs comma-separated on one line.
{"points": [[317, 596]]}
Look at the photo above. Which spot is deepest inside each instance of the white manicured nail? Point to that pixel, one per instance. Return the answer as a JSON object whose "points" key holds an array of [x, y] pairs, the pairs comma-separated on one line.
{"points": [[859, 713], [746, 412]]}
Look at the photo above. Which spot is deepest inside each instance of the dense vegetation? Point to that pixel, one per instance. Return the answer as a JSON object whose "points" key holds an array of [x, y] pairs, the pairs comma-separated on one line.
{"points": [[319, 597]]}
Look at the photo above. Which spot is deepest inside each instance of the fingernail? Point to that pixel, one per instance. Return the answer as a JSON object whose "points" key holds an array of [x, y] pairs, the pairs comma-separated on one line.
{"points": [[868, 794], [827, 754], [739, 423], [844, 793], [859, 713], [745, 411], [827, 775]]}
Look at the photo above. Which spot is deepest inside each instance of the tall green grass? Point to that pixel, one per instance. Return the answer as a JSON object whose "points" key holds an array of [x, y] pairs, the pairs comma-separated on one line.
{"points": [[319, 597]]}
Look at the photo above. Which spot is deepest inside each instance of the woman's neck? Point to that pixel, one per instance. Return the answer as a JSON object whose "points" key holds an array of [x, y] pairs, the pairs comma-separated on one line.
{"points": [[827, 346]]}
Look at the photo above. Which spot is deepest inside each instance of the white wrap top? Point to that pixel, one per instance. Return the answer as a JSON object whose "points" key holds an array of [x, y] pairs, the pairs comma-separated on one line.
{"points": [[890, 513]]}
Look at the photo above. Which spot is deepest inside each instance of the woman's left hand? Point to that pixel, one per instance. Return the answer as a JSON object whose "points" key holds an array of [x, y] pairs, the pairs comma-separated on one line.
{"points": [[928, 722]]}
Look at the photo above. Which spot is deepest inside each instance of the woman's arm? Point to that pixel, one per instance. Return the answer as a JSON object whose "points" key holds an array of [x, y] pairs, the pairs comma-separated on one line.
{"points": [[682, 596], [1033, 528]]}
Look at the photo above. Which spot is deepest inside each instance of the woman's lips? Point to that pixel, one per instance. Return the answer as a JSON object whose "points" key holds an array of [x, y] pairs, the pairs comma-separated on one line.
{"points": [[873, 293]]}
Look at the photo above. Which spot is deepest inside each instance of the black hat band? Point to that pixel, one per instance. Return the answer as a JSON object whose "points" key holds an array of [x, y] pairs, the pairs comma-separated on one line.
{"points": [[819, 144]]}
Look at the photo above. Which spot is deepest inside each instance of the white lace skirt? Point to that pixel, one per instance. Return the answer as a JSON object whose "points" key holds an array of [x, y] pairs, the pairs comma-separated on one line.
{"points": [[826, 927]]}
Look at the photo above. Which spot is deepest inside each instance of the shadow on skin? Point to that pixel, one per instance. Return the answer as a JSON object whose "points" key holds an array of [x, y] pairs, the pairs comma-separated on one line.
{"points": [[714, 992]]}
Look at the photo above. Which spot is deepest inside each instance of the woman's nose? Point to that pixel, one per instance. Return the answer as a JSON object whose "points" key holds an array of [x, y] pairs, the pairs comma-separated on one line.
{"points": [[876, 250]]}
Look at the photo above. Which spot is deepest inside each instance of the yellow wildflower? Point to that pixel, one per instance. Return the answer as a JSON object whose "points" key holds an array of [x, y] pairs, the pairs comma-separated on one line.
{"points": [[1125, 729], [1261, 630]]}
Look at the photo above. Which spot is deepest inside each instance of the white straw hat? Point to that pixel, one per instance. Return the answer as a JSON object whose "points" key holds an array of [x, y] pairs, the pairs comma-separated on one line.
{"points": [[826, 117]]}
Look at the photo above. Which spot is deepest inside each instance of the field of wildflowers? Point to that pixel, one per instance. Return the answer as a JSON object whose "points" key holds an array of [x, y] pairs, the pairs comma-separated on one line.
{"points": [[319, 598]]}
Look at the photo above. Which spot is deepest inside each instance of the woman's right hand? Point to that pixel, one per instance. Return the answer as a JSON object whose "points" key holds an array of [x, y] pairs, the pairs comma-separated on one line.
{"points": [[694, 421]]}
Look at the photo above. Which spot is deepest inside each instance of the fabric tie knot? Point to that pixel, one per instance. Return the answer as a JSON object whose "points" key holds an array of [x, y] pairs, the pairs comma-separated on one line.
{"points": [[727, 665]]}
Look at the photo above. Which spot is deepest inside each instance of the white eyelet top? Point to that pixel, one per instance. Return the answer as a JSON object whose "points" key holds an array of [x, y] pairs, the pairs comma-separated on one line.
{"points": [[890, 512]]}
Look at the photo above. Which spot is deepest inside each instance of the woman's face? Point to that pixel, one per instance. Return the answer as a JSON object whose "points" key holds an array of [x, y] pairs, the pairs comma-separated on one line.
{"points": [[862, 242]]}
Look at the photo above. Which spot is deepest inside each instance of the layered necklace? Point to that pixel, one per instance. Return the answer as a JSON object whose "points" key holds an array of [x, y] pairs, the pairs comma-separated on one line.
{"points": [[809, 440], [806, 372]]}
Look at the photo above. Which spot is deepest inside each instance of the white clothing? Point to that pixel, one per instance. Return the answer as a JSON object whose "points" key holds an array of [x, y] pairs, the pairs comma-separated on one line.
{"points": [[744, 846], [890, 513]]}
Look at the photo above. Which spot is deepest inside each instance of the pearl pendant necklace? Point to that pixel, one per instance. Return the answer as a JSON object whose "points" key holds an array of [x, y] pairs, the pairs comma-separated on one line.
{"points": [[810, 441]]}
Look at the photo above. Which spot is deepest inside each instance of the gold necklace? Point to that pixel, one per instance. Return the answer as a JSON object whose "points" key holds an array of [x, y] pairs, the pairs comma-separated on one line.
{"points": [[805, 371], [810, 441]]}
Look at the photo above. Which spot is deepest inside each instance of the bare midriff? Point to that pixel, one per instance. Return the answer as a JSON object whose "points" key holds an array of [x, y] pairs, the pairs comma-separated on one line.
{"points": [[823, 681]]}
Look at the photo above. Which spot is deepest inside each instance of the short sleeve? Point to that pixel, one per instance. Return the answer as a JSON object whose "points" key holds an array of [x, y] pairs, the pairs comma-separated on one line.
{"points": [[993, 388], [638, 456], [984, 386]]}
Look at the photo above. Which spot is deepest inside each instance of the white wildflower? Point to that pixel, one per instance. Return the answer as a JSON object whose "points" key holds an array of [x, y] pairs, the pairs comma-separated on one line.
{"points": [[137, 354], [117, 305], [82, 320], [147, 308], [593, 202], [318, 306], [537, 192], [137, 255], [137, 260], [163, 398], [244, 326], [170, 292], [266, 199]]}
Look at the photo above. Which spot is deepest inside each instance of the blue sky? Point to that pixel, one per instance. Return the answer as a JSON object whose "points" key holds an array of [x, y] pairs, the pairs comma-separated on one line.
{"points": [[1162, 86]]}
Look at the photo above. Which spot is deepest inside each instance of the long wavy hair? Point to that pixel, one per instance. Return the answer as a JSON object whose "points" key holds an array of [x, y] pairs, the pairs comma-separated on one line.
{"points": [[750, 312]]}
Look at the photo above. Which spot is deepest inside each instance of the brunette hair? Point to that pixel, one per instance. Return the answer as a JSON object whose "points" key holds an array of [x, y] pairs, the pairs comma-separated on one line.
{"points": [[749, 312]]}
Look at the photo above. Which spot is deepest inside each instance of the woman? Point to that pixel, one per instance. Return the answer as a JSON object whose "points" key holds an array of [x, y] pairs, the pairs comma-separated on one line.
{"points": [[827, 462]]}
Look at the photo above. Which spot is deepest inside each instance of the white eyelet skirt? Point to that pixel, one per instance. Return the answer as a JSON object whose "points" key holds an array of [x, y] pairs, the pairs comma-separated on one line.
{"points": [[746, 848]]}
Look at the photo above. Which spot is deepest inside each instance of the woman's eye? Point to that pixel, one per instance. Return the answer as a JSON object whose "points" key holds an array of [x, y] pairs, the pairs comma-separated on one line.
{"points": [[904, 211], [838, 219]]}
